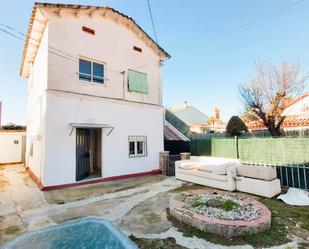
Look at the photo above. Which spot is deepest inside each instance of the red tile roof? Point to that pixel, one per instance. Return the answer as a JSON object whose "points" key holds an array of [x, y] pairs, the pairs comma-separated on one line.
{"points": [[169, 134], [297, 99], [289, 122]]}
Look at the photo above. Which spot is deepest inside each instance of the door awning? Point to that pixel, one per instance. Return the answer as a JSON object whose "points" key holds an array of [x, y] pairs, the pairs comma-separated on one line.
{"points": [[91, 125]]}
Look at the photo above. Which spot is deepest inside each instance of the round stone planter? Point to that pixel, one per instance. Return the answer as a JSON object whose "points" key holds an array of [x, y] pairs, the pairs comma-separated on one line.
{"points": [[224, 228]]}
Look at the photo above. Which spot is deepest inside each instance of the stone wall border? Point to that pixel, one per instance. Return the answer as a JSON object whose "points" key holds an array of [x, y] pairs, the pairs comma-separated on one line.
{"points": [[224, 228]]}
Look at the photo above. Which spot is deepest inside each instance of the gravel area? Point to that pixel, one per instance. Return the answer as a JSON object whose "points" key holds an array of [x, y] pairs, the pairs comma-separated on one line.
{"points": [[222, 207]]}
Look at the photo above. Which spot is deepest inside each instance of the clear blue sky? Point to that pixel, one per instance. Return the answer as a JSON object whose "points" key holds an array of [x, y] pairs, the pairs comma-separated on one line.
{"points": [[208, 60]]}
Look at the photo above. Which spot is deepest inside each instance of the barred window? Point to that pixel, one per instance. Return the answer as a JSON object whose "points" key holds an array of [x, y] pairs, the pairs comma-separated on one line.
{"points": [[137, 146]]}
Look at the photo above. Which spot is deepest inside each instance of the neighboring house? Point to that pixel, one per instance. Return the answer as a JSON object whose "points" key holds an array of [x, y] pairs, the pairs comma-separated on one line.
{"points": [[215, 123], [171, 133], [94, 96], [12, 146], [297, 116], [196, 120]]}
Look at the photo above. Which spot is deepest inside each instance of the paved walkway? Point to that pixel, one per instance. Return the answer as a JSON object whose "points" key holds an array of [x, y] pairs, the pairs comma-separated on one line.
{"points": [[137, 206], [24, 207]]}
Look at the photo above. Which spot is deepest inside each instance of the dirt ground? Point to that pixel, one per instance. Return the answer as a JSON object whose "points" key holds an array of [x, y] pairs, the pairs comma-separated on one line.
{"points": [[139, 207]]}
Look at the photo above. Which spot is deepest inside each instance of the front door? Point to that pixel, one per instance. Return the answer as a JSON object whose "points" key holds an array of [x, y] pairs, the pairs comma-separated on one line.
{"points": [[82, 153]]}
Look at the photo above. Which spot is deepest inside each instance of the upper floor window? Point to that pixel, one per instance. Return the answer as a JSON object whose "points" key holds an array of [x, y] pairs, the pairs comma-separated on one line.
{"points": [[137, 82], [91, 71]]}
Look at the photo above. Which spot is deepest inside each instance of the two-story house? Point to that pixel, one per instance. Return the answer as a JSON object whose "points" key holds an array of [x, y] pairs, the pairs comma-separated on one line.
{"points": [[94, 108]]}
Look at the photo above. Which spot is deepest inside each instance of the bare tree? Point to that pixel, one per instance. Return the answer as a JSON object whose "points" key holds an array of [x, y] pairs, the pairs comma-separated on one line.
{"points": [[269, 90], [248, 115]]}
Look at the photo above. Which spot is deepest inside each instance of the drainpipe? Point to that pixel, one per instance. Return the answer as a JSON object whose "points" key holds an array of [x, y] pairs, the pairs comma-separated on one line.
{"points": [[123, 84]]}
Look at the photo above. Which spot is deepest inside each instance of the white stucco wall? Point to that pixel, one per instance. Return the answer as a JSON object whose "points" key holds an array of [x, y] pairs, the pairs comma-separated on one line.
{"points": [[299, 108], [126, 118], [9, 151], [111, 45], [37, 84], [56, 97]]}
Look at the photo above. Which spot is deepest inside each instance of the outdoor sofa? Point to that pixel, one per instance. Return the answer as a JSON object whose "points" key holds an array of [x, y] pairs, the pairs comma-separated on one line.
{"points": [[229, 174]]}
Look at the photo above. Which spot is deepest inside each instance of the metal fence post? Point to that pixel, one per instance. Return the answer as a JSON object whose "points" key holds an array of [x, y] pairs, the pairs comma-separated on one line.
{"points": [[236, 145], [185, 156]]}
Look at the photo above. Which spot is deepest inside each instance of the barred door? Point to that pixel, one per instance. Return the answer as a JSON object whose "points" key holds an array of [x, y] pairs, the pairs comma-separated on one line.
{"points": [[82, 153], [170, 171]]}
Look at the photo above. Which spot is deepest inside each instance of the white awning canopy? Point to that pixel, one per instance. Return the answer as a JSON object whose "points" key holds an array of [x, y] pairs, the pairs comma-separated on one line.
{"points": [[91, 126]]}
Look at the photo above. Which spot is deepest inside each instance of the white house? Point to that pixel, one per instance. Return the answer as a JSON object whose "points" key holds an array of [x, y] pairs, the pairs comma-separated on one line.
{"points": [[12, 146], [299, 106], [94, 96]]}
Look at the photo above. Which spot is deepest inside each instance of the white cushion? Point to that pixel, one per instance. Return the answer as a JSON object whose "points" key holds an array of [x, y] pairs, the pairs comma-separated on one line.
{"points": [[204, 174], [217, 167], [189, 165], [257, 172]]}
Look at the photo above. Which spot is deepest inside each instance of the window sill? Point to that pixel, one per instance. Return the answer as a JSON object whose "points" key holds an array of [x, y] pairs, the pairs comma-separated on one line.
{"points": [[84, 82], [137, 92], [137, 156]]}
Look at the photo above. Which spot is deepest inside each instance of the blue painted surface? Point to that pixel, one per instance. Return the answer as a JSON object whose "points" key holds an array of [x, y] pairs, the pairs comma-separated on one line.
{"points": [[88, 233]]}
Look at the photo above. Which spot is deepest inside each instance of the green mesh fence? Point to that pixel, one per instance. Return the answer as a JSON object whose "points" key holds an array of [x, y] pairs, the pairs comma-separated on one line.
{"points": [[274, 150], [218, 147], [260, 150], [201, 147], [223, 147]]}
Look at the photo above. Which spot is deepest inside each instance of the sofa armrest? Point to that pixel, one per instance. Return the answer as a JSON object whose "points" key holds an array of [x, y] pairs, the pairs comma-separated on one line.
{"points": [[231, 172], [178, 163]]}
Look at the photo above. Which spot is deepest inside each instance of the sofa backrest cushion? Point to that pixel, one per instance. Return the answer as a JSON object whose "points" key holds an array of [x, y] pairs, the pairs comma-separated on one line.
{"points": [[218, 168], [257, 172], [189, 165], [209, 159]]}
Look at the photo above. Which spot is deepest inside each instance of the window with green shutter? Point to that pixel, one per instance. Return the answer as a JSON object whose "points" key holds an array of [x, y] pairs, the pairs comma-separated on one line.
{"points": [[137, 82]]}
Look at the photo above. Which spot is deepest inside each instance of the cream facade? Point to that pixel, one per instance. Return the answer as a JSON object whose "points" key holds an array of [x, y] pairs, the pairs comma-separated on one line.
{"points": [[81, 130], [12, 146]]}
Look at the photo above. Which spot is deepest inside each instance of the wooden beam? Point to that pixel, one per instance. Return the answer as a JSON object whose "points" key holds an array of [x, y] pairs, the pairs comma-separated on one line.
{"points": [[41, 22], [76, 13], [118, 19], [105, 13], [93, 12], [58, 12], [130, 25]]}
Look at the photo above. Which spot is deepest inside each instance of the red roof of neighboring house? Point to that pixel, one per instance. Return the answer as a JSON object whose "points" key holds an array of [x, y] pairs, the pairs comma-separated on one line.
{"points": [[170, 134], [297, 99], [289, 122]]}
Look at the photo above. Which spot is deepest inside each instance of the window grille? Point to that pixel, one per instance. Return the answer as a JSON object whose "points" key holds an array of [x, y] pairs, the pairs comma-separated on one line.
{"points": [[137, 146]]}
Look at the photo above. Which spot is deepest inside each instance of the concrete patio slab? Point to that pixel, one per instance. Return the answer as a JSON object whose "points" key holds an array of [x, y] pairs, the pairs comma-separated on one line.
{"points": [[137, 206]]}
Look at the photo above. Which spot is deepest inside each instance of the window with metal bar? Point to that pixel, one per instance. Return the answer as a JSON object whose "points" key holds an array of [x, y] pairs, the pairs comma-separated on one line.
{"points": [[137, 146]]}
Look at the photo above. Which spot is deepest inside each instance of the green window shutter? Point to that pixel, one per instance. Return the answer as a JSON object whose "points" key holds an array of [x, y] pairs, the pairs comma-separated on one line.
{"points": [[137, 82]]}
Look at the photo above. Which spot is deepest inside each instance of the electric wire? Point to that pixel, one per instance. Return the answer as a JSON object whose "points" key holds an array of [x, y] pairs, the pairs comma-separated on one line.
{"points": [[51, 49], [245, 26], [152, 21]]}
